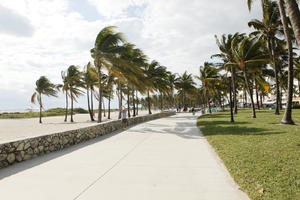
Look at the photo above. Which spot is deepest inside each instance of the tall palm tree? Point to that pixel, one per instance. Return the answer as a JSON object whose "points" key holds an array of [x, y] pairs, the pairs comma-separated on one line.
{"points": [[294, 16], [105, 54], [155, 76], [185, 85], [287, 117], [224, 44], [43, 87], [65, 89], [248, 53], [74, 81], [89, 80], [267, 30], [208, 77]]}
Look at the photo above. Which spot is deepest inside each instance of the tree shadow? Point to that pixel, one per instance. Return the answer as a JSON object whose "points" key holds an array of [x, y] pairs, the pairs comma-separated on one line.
{"points": [[24, 165], [228, 128]]}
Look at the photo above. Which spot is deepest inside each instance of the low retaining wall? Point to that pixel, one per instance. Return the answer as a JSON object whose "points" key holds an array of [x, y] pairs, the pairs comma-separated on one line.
{"points": [[21, 150]]}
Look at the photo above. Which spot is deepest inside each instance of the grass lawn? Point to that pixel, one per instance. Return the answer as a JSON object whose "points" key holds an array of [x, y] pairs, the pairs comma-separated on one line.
{"points": [[262, 156]]}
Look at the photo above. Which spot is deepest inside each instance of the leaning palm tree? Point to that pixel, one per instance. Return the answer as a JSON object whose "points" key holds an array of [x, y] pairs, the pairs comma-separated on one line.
{"points": [[248, 53], [105, 55], [43, 87], [89, 81], [73, 79]]}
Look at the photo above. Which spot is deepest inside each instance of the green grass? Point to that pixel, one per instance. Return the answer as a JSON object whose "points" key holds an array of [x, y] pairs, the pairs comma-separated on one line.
{"points": [[262, 156]]}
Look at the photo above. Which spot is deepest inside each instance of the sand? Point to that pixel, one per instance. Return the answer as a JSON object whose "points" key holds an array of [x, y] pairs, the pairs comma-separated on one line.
{"points": [[15, 129]]}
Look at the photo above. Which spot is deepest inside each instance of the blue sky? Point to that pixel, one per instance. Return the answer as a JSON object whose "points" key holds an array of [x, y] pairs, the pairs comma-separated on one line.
{"points": [[45, 37]]}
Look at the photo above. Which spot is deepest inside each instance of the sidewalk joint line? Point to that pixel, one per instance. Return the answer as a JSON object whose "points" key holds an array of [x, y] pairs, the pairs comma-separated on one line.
{"points": [[107, 171]]}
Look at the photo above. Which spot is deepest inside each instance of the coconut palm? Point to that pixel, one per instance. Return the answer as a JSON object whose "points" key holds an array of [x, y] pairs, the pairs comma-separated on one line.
{"points": [[156, 79], [248, 53], [267, 30], [185, 85], [74, 81], [294, 16], [287, 117], [65, 88], [208, 77], [224, 44], [105, 54], [89, 80], [43, 87]]}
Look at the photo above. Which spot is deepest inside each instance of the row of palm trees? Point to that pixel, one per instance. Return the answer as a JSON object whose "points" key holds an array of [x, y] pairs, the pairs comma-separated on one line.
{"points": [[259, 63], [119, 69], [252, 65]]}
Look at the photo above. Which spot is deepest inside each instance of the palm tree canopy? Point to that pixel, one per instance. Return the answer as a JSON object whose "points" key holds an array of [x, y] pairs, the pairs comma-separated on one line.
{"points": [[45, 87]]}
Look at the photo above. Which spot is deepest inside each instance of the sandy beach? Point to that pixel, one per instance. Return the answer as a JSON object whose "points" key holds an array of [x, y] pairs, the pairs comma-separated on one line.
{"points": [[14, 129]]}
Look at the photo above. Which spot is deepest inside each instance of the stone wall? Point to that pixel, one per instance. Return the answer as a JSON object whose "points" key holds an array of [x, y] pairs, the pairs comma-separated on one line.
{"points": [[21, 150]]}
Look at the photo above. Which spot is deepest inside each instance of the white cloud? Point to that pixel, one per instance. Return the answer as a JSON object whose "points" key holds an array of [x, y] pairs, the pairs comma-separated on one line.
{"points": [[177, 33]]}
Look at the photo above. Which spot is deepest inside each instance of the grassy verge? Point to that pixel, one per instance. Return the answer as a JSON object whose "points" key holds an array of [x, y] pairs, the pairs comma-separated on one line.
{"points": [[262, 156]]}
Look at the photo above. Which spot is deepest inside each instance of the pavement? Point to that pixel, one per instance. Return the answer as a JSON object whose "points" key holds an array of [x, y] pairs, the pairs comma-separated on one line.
{"points": [[164, 159]]}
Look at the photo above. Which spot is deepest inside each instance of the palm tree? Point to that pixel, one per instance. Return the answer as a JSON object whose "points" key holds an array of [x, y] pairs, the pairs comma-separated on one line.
{"points": [[185, 85], [267, 30], [287, 117], [294, 16], [89, 81], [155, 76], [208, 77], [65, 89], [105, 54], [43, 87], [73, 79], [248, 53]]}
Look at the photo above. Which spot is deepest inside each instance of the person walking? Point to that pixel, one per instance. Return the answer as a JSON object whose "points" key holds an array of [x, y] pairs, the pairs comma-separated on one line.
{"points": [[124, 118], [193, 110]]}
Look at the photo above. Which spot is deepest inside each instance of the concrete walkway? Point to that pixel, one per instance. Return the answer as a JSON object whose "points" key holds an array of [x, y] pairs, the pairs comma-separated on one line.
{"points": [[164, 159]]}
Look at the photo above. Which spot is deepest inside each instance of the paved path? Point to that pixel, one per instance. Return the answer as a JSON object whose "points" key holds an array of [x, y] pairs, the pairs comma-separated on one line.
{"points": [[164, 159]]}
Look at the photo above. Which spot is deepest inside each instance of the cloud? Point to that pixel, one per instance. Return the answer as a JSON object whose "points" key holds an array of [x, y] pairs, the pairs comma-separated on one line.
{"points": [[177, 33], [15, 24]]}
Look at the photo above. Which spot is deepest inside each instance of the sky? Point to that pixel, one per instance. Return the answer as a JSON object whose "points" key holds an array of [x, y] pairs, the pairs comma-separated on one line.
{"points": [[44, 37]]}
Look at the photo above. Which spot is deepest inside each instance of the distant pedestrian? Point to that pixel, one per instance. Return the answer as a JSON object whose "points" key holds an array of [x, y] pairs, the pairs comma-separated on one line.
{"points": [[193, 110], [124, 118]]}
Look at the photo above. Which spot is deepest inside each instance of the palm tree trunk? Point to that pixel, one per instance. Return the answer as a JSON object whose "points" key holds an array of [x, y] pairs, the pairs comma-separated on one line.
{"points": [[249, 91], [100, 95], [230, 101], [256, 92], [92, 103], [72, 106], [161, 101], [88, 101], [287, 117], [271, 44], [66, 114], [121, 101], [133, 104], [108, 117], [149, 103], [137, 102], [40, 101], [299, 86], [104, 113], [234, 90], [294, 15], [128, 102]]}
